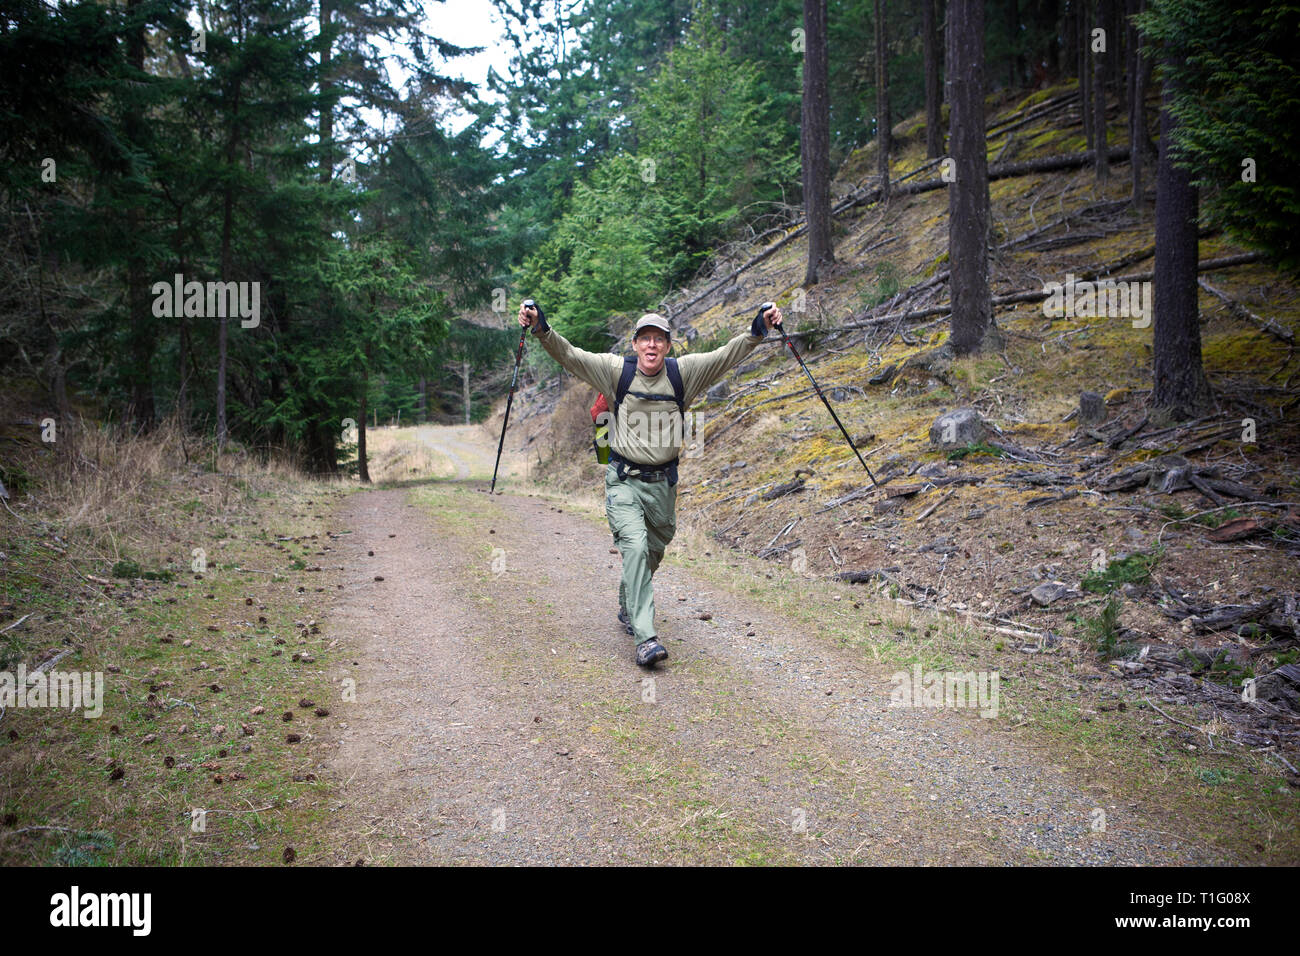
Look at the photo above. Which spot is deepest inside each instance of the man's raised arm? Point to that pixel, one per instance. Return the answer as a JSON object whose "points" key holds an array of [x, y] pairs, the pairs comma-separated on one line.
{"points": [[702, 370], [598, 371]]}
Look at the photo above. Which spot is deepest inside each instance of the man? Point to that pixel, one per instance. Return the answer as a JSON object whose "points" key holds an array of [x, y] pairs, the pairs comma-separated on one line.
{"points": [[646, 437]]}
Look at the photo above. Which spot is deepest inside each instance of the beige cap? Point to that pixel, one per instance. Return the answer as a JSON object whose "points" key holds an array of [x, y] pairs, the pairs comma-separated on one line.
{"points": [[652, 320]]}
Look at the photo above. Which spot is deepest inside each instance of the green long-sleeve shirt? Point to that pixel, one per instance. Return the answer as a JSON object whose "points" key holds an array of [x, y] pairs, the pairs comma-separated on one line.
{"points": [[648, 432]]}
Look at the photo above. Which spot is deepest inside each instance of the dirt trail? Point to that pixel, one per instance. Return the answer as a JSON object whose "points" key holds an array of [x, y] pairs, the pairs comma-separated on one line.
{"points": [[463, 446], [500, 718]]}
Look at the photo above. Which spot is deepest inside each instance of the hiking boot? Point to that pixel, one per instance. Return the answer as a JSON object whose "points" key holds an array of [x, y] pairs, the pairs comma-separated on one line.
{"points": [[626, 620], [650, 653]]}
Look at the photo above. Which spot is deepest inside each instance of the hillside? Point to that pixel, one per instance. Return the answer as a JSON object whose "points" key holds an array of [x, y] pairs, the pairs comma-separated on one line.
{"points": [[1157, 588]]}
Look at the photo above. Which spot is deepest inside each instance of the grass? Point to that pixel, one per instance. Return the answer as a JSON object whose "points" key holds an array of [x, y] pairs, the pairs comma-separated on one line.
{"points": [[975, 448], [1103, 630], [1133, 569], [182, 655]]}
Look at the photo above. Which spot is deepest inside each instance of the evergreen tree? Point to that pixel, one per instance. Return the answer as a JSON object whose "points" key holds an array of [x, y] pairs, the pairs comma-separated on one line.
{"points": [[1235, 108]]}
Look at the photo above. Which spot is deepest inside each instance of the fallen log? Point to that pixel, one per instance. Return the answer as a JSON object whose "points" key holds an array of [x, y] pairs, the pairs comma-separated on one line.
{"points": [[1243, 313], [780, 491]]}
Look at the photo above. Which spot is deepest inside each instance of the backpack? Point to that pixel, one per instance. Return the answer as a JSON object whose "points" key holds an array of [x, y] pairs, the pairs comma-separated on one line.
{"points": [[624, 386]]}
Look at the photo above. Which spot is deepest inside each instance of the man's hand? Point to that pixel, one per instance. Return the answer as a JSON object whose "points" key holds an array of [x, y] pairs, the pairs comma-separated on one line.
{"points": [[768, 318], [530, 316]]}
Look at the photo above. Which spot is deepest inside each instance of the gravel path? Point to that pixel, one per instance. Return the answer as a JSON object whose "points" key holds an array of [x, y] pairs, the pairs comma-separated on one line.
{"points": [[463, 446], [500, 719]]}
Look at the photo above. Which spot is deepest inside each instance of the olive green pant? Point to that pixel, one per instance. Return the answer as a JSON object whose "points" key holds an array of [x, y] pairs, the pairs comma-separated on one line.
{"points": [[643, 517]]}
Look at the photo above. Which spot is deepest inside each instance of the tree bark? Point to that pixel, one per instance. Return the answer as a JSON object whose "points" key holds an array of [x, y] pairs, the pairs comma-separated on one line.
{"points": [[968, 193], [464, 388], [1012, 9], [1102, 160], [884, 144], [933, 91], [1179, 387], [139, 312], [1137, 106], [363, 472], [227, 237], [816, 141], [1085, 74], [326, 108]]}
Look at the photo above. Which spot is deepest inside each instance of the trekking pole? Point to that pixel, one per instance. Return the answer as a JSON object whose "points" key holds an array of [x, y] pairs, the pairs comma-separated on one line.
{"points": [[786, 339], [519, 354]]}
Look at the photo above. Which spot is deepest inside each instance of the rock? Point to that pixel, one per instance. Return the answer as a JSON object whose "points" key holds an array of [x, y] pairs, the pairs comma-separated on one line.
{"points": [[1092, 408], [940, 546], [718, 392], [1049, 592], [883, 376], [958, 428], [1282, 687]]}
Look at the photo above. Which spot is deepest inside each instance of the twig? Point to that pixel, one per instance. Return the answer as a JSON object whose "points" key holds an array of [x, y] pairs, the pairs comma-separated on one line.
{"points": [[927, 512], [1240, 311], [1274, 753], [15, 623], [30, 829], [40, 668]]}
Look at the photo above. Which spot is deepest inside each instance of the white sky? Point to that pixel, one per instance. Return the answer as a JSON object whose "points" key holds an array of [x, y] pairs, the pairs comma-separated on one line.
{"points": [[470, 23]]}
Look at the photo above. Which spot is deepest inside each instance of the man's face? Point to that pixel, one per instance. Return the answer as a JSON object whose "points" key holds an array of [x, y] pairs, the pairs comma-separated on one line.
{"points": [[650, 347]]}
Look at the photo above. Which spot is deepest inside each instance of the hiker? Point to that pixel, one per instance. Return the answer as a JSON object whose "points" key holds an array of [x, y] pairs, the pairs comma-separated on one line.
{"points": [[648, 395]]}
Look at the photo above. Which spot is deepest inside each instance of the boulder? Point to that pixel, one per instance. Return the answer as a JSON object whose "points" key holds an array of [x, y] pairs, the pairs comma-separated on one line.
{"points": [[1049, 592], [958, 428]]}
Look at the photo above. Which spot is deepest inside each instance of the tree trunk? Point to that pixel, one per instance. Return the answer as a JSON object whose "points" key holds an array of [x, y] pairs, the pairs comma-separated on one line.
{"points": [[1070, 38], [1179, 388], [422, 402], [816, 141], [884, 134], [1100, 149], [326, 108], [227, 270], [968, 193], [464, 388], [1012, 9], [363, 472], [139, 311], [933, 91], [1137, 105], [1085, 74], [1112, 15]]}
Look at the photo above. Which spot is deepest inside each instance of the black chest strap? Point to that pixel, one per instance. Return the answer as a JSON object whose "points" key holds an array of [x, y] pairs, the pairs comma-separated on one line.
{"points": [[674, 379]]}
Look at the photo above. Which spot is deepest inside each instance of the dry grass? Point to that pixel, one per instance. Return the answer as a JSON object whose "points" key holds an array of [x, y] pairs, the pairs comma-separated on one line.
{"points": [[98, 547], [394, 454], [114, 491]]}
